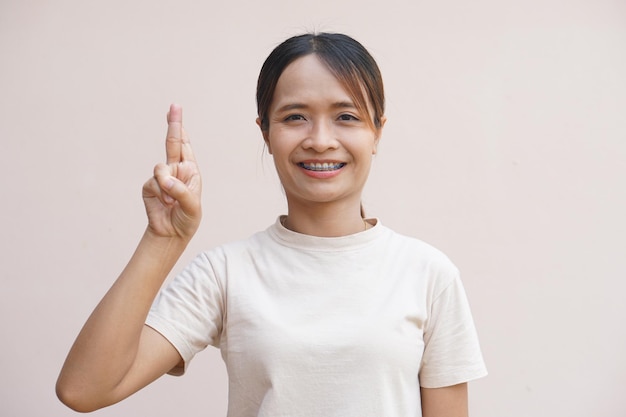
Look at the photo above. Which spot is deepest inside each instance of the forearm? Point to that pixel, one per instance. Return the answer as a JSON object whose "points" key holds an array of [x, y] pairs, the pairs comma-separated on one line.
{"points": [[106, 347]]}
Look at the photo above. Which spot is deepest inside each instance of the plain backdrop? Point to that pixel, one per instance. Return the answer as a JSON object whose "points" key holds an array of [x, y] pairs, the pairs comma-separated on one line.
{"points": [[505, 147]]}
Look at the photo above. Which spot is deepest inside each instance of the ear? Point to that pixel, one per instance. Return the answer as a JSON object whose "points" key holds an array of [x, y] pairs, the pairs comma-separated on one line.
{"points": [[379, 133], [265, 134]]}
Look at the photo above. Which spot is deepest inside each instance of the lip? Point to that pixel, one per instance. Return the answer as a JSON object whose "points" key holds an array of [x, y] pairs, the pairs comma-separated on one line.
{"points": [[321, 169]]}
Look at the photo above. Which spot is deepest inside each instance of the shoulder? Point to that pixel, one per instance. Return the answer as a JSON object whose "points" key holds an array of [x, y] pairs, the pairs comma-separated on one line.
{"points": [[419, 262], [239, 247], [417, 250], [217, 257]]}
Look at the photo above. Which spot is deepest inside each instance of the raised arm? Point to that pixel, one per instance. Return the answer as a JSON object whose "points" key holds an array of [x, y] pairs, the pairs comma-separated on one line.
{"points": [[116, 354]]}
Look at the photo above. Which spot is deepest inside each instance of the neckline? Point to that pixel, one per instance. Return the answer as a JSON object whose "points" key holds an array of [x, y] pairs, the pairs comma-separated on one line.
{"points": [[353, 241]]}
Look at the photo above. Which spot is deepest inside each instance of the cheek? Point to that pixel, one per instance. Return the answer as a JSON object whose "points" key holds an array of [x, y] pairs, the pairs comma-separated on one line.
{"points": [[281, 143], [364, 145], [276, 149], [281, 153]]}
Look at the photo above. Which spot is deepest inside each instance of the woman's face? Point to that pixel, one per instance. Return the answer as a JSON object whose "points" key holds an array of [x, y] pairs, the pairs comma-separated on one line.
{"points": [[322, 146]]}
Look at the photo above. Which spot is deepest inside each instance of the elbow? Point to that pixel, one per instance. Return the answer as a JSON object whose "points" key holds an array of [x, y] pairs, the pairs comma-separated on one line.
{"points": [[73, 397]]}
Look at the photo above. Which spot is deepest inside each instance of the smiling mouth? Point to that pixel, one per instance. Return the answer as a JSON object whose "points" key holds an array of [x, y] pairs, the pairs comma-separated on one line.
{"points": [[322, 166]]}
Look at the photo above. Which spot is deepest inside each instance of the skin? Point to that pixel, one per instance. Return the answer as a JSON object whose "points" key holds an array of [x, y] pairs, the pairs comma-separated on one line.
{"points": [[312, 120], [115, 354], [449, 401]]}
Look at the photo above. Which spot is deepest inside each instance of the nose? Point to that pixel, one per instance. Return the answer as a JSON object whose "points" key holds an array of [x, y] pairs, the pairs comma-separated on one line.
{"points": [[321, 137]]}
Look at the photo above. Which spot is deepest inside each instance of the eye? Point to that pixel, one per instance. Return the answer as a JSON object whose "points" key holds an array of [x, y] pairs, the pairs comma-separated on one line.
{"points": [[347, 117], [294, 118]]}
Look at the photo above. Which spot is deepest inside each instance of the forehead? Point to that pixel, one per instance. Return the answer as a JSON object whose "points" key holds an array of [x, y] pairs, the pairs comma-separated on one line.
{"points": [[309, 78]]}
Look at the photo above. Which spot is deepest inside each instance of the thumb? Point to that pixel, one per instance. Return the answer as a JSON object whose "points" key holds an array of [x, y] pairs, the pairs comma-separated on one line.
{"points": [[173, 189]]}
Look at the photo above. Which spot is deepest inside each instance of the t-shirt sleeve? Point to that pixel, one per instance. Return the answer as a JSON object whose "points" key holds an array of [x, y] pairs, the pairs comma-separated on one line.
{"points": [[188, 312], [451, 349]]}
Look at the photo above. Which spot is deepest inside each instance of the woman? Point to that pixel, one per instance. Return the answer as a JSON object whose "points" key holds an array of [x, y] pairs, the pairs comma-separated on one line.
{"points": [[325, 313]]}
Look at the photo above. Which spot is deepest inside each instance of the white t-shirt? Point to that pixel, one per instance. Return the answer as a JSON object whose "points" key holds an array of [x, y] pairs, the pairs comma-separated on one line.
{"points": [[311, 326]]}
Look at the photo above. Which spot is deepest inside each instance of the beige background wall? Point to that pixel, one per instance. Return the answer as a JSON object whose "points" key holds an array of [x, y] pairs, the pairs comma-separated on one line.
{"points": [[505, 147]]}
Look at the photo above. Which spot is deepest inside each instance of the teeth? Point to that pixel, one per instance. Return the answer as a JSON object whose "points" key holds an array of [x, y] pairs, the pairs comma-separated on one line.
{"points": [[322, 166]]}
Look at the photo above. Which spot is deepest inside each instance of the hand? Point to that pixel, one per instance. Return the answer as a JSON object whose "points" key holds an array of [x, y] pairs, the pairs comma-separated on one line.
{"points": [[172, 195]]}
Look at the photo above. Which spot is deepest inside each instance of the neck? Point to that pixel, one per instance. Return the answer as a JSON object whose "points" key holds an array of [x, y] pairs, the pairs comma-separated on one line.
{"points": [[325, 221]]}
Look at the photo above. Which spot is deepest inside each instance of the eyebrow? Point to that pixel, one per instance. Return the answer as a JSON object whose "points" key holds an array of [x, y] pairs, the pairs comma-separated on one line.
{"points": [[299, 106]]}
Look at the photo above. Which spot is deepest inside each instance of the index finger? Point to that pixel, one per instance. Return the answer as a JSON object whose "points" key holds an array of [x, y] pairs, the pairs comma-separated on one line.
{"points": [[174, 138]]}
